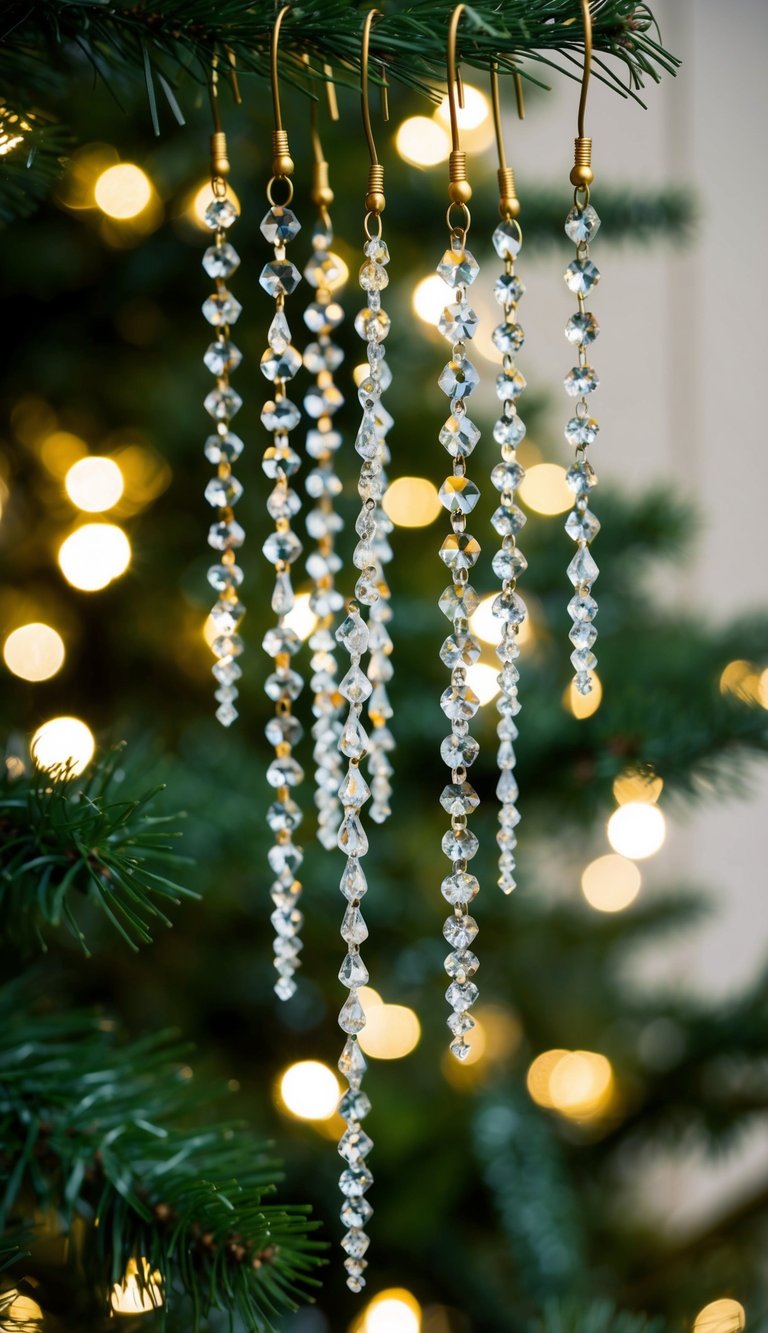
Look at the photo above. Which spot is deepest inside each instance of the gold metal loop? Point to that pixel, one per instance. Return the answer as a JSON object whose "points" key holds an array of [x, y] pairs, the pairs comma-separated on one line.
{"points": [[582, 174], [282, 162], [375, 202], [288, 183], [454, 228], [509, 204], [459, 188]]}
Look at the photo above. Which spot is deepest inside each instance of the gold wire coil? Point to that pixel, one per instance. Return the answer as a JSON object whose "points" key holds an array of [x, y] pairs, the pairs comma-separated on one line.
{"points": [[322, 194], [582, 162], [282, 162], [219, 154], [375, 201], [459, 188], [509, 204]]}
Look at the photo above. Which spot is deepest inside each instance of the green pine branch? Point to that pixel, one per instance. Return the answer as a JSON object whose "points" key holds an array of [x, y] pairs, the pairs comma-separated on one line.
{"points": [[34, 150], [68, 843], [116, 1137], [600, 1316]]}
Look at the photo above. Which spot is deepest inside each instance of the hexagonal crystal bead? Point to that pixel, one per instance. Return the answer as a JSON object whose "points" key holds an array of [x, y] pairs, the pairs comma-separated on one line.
{"points": [[459, 495], [283, 502], [507, 239], [509, 564], [509, 608], [580, 478], [459, 844], [285, 772], [220, 261], [461, 998], [353, 1183], [372, 325], [279, 277], [581, 223], [279, 225], [458, 378], [458, 267], [457, 321], [377, 249], [582, 634], [459, 649], [280, 365], [508, 520], [508, 289], [283, 685], [325, 270], [280, 462], [226, 714], [459, 888], [459, 751], [222, 403], [459, 702], [321, 318], [508, 338], [318, 358], [282, 548], [222, 356], [581, 380], [228, 645], [510, 384], [581, 276], [459, 798], [223, 491], [507, 476], [322, 401], [582, 525], [582, 329], [224, 448], [460, 1022], [582, 608], [583, 570], [221, 213], [222, 577], [354, 1144], [281, 639], [225, 536], [458, 602], [355, 1106], [509, 430], [284, 728], [462, 965], [459, 436], [221, 308], [459, 550]]}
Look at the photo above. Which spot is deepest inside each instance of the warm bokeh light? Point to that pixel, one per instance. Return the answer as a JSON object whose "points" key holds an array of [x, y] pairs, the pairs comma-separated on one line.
{"points": [[583, 705], [63, 744], [132, 1297], [411, 502], [301, 618], [481, 677], [34, 651], [391, 1031], [394, 1310], [20, 1312], [429, 299], [94, 484], [205, 196], [422, 142], [123, 191], [611, 883], [93, 555], [485, 626], [637, 785], [636, 830], [309, 1090], [734, 676], [60, 450], [723, 1316], [538, 1076], [581, 1084], [543, 489], [475, 112]]}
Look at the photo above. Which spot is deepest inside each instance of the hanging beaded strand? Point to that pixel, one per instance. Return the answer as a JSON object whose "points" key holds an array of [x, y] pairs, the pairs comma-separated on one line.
{"points": [[353, 635], [279, 363], [326, 274], [581, 276], [223, 448], [508, 562], [459, 552]]}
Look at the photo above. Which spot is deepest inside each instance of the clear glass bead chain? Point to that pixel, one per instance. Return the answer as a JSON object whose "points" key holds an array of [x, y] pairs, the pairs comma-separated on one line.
{"points": [[459, 552], [581, 276], [322, 357], [222, 449], [356, 687], [509, 561], [279, 363]]}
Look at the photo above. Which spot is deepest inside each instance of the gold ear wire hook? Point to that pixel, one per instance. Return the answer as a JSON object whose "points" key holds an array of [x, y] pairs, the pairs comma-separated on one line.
{"points": [[219, 153], [582, 175], [509, 204], [282, 162], [459, 188], [322, 194], [375, 201]]}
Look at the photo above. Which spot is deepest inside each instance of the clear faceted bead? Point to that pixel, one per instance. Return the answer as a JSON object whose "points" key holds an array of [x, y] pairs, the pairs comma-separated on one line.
{"points": [[226, 616], [221, 308], [459, 888], [355, 1242], [373, 277], [459, 844], [355, 685], [459, 649], [222, 356], [353, 634], [509, 608], [353, 741], [376, 248], [580, 381], [285, 772], [458, 602], [225, 448], [226, 714], [355, 1145], [582, 525], [458, 378], [282, 415], [325, 270], [459, 436], [582, 223], [352, 1014], [460, 1022], [507, 476], [459, 550], [510, 384], [279, 277], [580, 478], [508, 289], [222, 492], [220, 214], [353, 927], [223, 402], [225, 536], [355, 1182], [224, 577], [372, 325], [457, 321], [459, 495], [509, 430], [282, 547], [459, 751], [582, 329], [458, 267], [281, 365], [582, 634], [582, 608], [279, 225], [461, 965], [508, 338], [507, 239], [582, 570], [461, 997], [354, 1106], [356, 1212], [354, 790], [459, 798], [220, 261], [353, 883], [353, 971], [459, 702], [581, 276], [508, 520], [284, 987]]}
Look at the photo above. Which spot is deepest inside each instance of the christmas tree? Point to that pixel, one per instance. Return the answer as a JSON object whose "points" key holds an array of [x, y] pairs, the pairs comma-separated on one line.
{"points": [[168, 1126]]}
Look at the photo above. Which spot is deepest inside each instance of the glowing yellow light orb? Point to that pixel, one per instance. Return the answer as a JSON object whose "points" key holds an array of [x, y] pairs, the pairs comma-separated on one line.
{"points": [[723, 1316], [734, 676], [132, 1297], [474, 113], [411, 502], [391, 1031], [481, 677], [538, 1076], [634, 785], [123, 191], [93, 555], [429, 299], [60, 450], [310, 1090], [422, 142], [301, 618], [394, 1310], [580, 1084], [583, 705], [611, 883], [63, 744], [94, 484], [34, 651], [543, 489], [636, 830], [21, 1312]]}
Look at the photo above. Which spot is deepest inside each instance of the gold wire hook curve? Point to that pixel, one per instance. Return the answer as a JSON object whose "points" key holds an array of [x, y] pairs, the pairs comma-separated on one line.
{"points": [[282, 162], [375, 201], [459, 188], [509, 204], [582, 175]]}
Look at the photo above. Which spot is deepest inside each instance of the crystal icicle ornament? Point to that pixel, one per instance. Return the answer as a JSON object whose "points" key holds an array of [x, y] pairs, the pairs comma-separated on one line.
{"points": [[359, 687], [459, 553], [508, 608], [582, 526], [282, 548], [321, 357], [223, 448]]}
